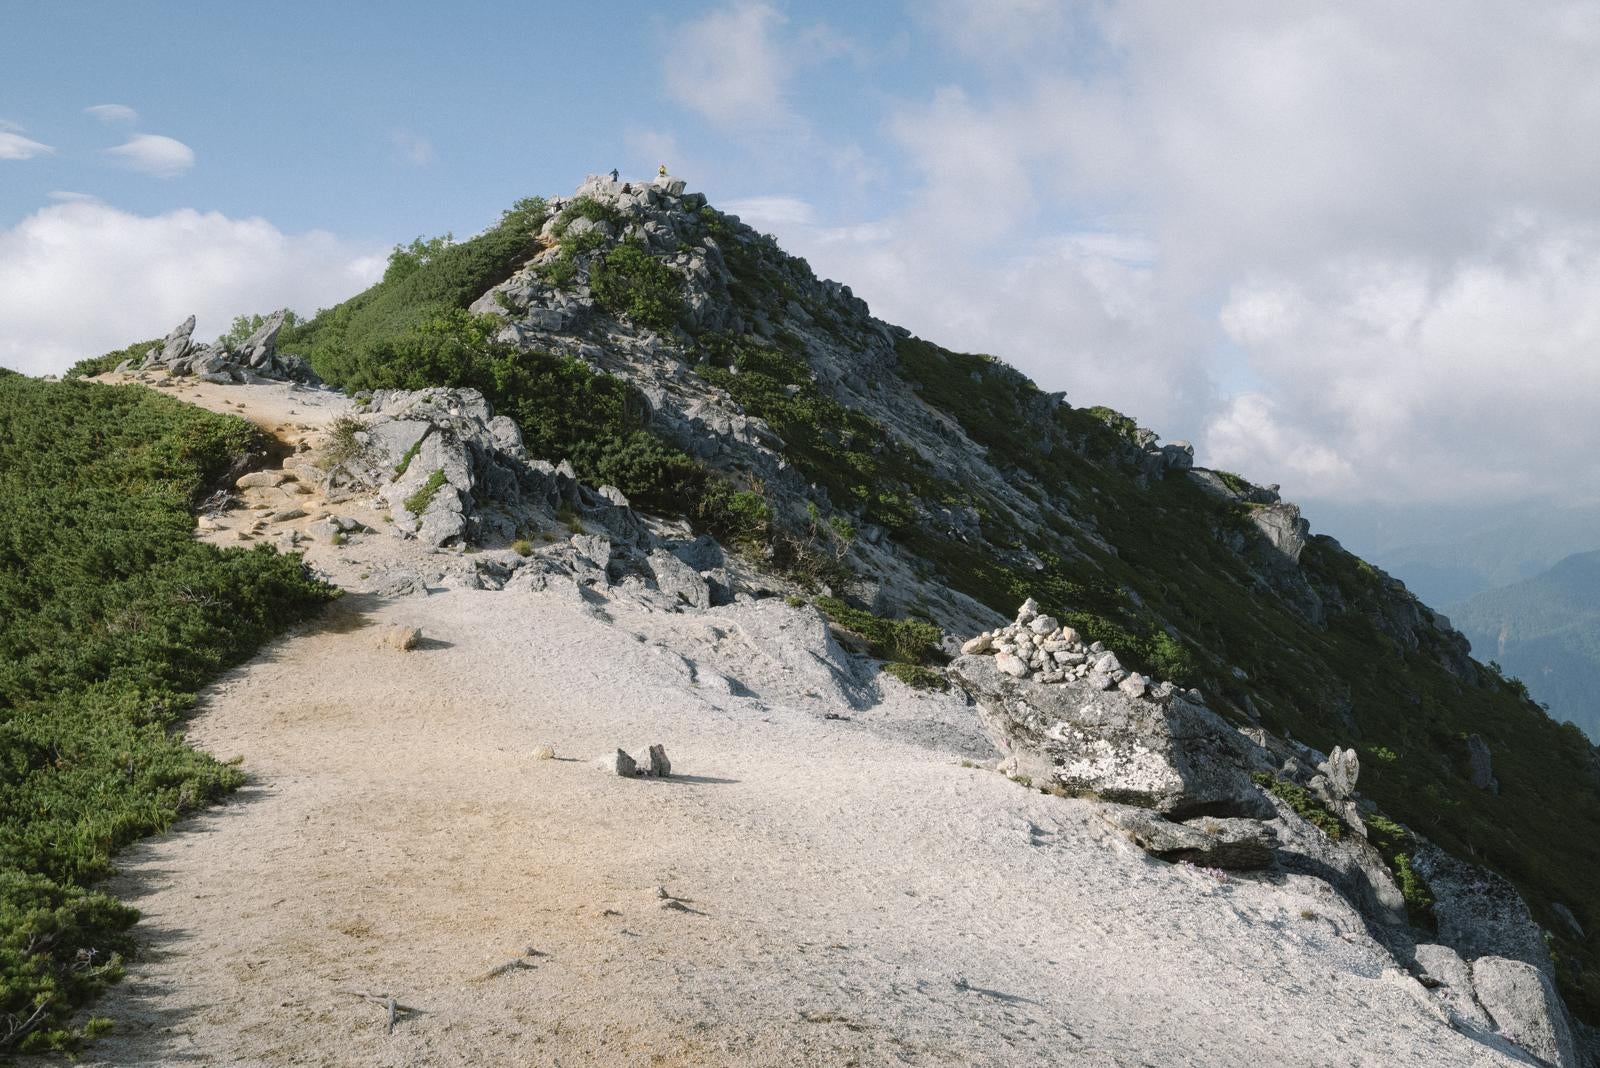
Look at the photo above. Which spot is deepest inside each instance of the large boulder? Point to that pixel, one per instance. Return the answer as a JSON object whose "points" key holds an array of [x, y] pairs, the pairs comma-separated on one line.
{"points": [[1350, 865], [1174, 755], [678, 580], [1525, 1008], [1479, 913], [255, 359], [1480, 764], [257, 350], [1283, 529], [1451, 978], [176, 345], [1342, 768]]}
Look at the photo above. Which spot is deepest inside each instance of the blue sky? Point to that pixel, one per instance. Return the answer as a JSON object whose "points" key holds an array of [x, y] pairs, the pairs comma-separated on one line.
{"points": [[429, 118], [1350, 247]]}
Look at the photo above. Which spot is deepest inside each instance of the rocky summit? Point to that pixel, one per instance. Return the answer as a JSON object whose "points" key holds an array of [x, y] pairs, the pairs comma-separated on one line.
{"points": [[620, 470]]}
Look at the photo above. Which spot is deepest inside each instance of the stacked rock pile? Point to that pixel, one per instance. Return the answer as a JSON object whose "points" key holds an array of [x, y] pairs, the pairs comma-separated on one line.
{"points": [[1037, 646]]}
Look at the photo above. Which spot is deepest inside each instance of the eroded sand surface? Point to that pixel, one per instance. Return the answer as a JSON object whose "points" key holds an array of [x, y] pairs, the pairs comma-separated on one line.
{"points": [[848, 895]]}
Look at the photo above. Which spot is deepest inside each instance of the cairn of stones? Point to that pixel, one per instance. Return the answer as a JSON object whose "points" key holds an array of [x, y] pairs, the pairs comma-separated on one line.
{"points": [[1039, 648]]}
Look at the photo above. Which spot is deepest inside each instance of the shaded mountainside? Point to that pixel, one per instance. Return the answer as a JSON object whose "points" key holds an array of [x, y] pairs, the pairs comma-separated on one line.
{"points": [[669, 351], [1545, 631], [1449, 554]]}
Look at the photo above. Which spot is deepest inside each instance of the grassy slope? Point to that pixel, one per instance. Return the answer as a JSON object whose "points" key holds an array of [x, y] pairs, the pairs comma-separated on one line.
{"points": [[111, 616]]}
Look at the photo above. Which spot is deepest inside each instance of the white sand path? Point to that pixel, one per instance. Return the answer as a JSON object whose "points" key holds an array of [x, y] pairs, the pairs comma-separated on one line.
{"points": [[850, 894]]}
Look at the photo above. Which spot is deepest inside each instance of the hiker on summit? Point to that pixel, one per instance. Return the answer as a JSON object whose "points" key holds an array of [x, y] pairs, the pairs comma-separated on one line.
{"points": [[661, 171]]}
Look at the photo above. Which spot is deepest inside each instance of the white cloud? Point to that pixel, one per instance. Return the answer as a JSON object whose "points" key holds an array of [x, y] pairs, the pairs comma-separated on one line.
{"points": [[164, 157], [1254, 436], [1377, 223], [1472, 381], [412, 148], [15, 146], [729, 66], [1086, 301], [120, 113], [771, 212], [735, 64], [81, 277], [995, 31]]}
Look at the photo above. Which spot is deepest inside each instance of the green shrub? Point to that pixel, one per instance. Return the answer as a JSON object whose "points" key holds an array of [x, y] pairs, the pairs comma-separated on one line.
{"points": [[418, 502], [343, 444], [909, 646], [99, 365], [918, 677], [522, 547], [566, 410], [1303, 803], [405, 461], [425, 280], [741, 518], [1395, 844], [1121, 425], [587, 208], [560, 271], [111, 615], [1237, 483], [628, 280], [840, 448]]}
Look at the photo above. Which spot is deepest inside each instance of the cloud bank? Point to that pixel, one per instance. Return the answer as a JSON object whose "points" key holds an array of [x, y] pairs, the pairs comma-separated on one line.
{"points": [[1350, 247], [80, 277]]}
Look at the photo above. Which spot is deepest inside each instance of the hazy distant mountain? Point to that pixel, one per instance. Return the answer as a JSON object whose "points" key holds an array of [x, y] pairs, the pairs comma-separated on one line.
{"points": [[1546, 631], [1446, 555]]}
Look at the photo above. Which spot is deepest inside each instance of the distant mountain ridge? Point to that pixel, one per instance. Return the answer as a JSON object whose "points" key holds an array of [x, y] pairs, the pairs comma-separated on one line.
{"points": [[1545, 631], [1448, 554]]}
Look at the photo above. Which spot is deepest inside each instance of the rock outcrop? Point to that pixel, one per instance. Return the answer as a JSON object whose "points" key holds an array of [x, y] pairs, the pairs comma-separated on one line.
{"points": [[1522, 1002], [255, 359], [1207, 842], [451, 473], [1179, 782], [1076, 724], [1480, 764]]}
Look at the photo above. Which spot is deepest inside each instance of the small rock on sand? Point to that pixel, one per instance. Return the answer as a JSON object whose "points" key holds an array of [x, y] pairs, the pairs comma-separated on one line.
{"points": [[398, 637], [659, 764], [544, 752]]}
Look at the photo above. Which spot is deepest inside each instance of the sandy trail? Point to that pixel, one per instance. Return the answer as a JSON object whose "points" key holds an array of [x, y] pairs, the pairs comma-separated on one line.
{"points": [[841, 890], [848, 896]]}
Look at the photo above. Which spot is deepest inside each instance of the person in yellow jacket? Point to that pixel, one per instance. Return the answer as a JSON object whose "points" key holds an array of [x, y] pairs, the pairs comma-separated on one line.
{"points": [[661, 171]]}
